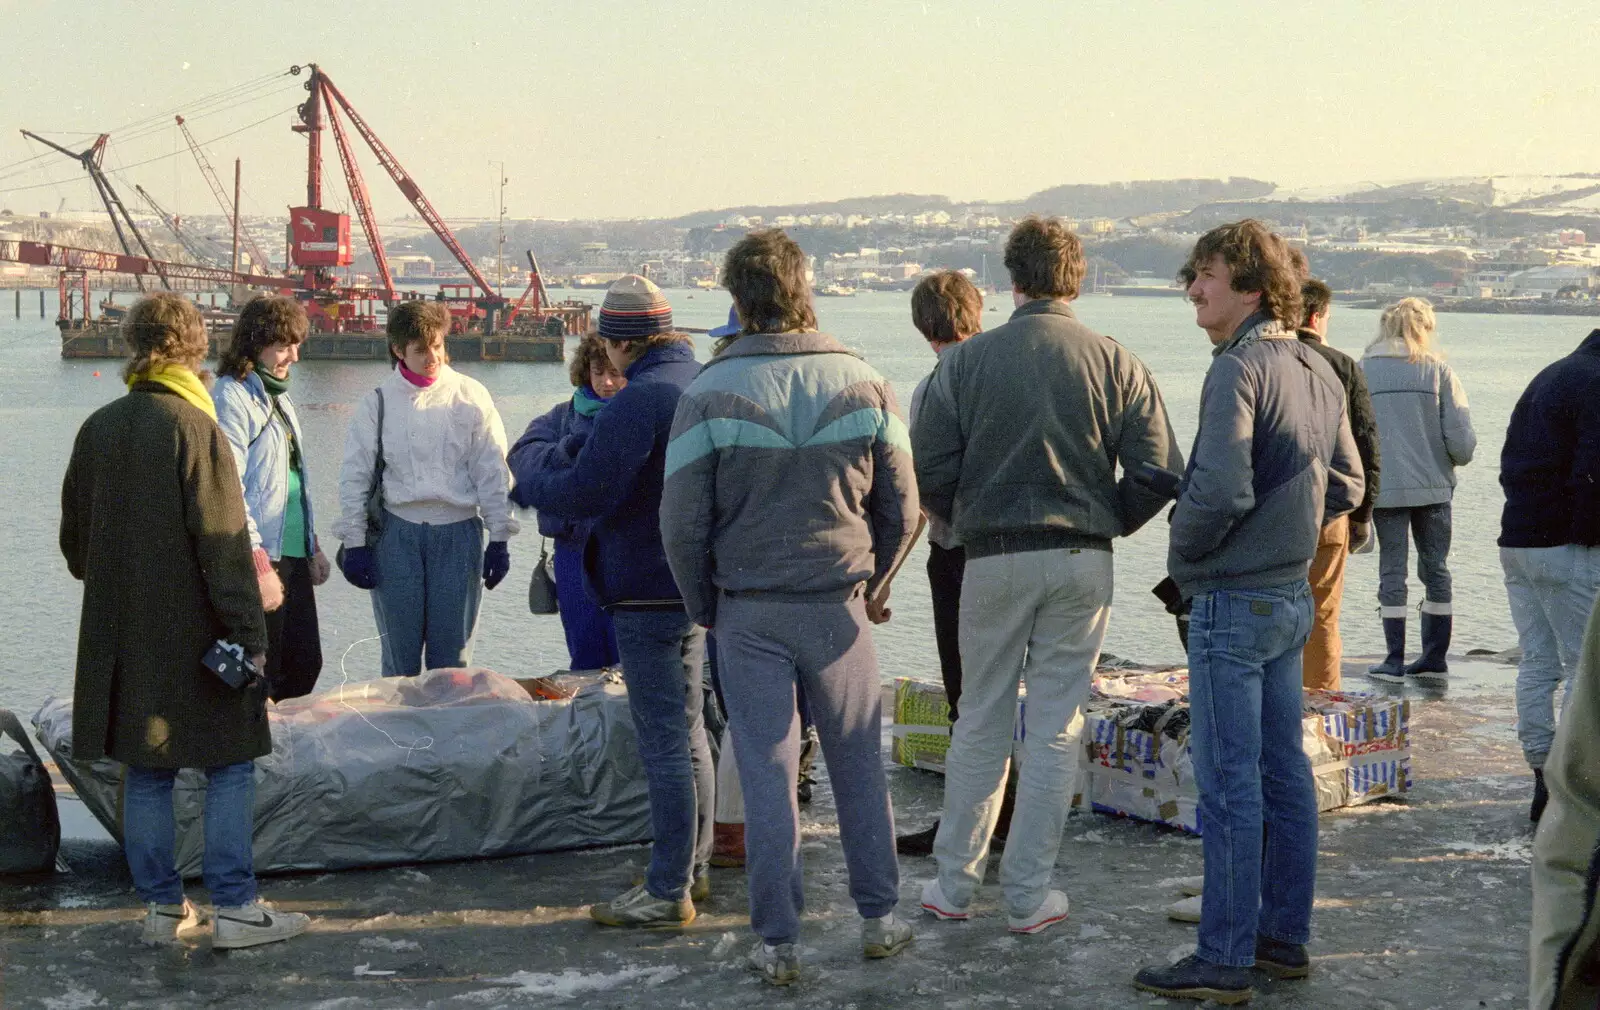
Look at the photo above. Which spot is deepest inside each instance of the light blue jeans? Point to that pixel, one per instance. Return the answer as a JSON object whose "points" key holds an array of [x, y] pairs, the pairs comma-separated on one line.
{"points": [[1552, 590], [430, 583], [1035, 618], [149, 834], [662, 652], [1251, 768]]}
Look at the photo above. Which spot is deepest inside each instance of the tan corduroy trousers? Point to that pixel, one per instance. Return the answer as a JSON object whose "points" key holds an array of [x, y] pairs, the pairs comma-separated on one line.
{"points": [[1324, 650]]}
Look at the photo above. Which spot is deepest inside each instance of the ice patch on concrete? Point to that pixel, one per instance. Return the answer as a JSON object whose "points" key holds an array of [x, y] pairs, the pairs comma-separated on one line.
{"points": [[384, 943], [567, 984], [73, 998], [1515, 850]]}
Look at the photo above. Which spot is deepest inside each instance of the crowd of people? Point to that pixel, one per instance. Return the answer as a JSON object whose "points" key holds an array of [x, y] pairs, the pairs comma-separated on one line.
{"points": [[758, 506]]}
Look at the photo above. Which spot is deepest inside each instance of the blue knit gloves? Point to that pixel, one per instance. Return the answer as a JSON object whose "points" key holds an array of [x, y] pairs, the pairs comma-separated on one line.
{"points": [[496, 563], [360, 568]]}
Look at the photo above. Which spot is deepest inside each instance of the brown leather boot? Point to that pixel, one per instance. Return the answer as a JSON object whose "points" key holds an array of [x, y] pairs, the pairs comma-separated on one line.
{"points": [[727, 845]]}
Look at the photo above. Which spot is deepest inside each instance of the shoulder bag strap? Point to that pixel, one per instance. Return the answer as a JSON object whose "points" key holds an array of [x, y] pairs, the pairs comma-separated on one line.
{"points": [[9, 726], [377, 459]]}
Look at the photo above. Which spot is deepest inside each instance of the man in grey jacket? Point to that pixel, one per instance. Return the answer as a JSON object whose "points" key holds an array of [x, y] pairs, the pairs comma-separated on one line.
{"points": [[1272, 460], [1016, 445]]}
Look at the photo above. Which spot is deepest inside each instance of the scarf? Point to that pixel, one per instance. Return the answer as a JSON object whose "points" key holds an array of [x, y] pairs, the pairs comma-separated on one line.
{"points": [[585, 402], [1257, 327], [421, 381], [275, 386], [181, 381]]}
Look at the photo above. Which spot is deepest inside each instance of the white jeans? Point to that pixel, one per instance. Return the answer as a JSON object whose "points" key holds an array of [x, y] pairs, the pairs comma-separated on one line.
{"points": [[1038, 618]]}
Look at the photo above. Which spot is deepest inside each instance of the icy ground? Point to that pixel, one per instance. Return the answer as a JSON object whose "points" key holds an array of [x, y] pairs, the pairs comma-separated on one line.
{"points": [[1421, 903]]}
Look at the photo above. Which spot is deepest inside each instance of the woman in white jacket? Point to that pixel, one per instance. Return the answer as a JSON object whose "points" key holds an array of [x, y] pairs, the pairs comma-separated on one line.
{"points": [[1424, 433], [444, 479]]}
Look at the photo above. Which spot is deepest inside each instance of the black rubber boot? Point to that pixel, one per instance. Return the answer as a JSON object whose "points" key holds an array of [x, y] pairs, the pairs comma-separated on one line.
{"points": [[1393, 668], [1430, 668], [1541, 796]]}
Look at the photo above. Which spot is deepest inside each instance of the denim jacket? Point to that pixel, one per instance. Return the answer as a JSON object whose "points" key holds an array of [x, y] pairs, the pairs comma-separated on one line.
{"points": [[261, 452]]}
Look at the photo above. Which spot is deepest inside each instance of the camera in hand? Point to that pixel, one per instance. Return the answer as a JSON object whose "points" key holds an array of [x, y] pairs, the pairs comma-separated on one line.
{"points": [[227, 660]]}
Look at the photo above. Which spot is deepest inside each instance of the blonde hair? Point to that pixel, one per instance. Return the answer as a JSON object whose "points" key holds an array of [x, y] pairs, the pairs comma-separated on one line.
{"points": [[164, 329], [1409, 324]]}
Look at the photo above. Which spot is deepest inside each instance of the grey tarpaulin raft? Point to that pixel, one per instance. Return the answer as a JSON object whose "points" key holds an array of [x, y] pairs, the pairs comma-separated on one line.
{"points": [[454, 764]]}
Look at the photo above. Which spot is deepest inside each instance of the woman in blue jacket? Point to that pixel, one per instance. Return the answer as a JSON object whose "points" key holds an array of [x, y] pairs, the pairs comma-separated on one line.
{"points": [[255, 413], [591, 641]]}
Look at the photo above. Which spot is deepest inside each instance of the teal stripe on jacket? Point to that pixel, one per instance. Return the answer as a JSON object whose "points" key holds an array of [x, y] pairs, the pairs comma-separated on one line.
{"points": [[726, 432]]}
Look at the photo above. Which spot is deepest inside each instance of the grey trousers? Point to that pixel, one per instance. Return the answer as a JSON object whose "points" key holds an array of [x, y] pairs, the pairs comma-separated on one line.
{"points": [[765, 648], [1429, 525], [1036, 618]]}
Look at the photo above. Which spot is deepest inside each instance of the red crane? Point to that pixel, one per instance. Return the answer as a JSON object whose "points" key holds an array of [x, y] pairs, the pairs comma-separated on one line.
{"points": [[320, 238]]}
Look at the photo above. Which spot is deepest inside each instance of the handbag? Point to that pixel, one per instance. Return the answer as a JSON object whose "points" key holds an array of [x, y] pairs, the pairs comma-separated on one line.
{"points": [[30, 826], [542, 587], [374, 492]]}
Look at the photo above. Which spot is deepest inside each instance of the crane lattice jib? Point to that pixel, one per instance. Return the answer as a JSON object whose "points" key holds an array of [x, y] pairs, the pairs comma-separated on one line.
{"points": [[45, 254], [193, 247], [358, 192], [409, 188], [256, 256]]}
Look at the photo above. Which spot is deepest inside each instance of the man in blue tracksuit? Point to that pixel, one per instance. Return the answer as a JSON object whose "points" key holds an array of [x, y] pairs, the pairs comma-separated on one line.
{"points": [[789, 498], [614, 481], [1273, 460]]}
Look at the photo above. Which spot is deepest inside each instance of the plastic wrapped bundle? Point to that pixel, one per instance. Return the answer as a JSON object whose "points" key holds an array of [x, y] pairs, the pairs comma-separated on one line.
{"points": [[454, 764]]}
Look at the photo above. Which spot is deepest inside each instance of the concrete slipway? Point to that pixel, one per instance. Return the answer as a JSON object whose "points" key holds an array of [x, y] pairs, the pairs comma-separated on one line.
{"points": [[1421, 903]]}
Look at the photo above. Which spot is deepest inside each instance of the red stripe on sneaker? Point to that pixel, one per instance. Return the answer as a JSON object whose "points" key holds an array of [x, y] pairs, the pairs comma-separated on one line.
{"points": [[1036, 927]]}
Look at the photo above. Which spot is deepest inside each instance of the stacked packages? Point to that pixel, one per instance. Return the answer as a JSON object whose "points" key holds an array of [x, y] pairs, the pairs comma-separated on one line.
{"points": [[1136, 744]]}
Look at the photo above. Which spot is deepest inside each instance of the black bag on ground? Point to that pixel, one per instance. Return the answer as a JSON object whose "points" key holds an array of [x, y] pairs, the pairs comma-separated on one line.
{"points": [[30, 827]]}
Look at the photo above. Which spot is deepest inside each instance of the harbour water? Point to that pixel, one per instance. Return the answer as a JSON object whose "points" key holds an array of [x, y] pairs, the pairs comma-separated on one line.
{"points": [[44, 399]]}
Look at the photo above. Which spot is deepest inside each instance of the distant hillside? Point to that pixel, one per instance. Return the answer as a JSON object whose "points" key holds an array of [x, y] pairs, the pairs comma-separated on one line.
{"points": [[875, 206], [1133, 199]]}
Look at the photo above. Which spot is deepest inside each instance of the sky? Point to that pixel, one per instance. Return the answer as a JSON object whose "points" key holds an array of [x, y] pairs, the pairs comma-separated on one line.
{"points": [[628, 108]]}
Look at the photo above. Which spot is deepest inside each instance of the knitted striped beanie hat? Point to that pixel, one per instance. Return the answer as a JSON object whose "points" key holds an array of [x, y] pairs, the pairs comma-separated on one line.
{"points": [[634, 308]]}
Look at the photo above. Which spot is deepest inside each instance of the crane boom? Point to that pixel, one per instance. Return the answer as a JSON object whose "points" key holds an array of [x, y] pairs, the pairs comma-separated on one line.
{"points": [[358, 190], [257, 257], [46, 254], [90, 160], [189, 242], [409, 188]]}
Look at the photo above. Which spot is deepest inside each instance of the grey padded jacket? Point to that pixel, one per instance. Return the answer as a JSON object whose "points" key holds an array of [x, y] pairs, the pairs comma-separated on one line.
{"points": [[1424, 426], [1272, 462]]}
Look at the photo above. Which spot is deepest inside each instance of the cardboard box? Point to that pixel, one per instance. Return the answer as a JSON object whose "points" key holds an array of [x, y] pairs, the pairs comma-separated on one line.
{"points": [[1136, 760]]}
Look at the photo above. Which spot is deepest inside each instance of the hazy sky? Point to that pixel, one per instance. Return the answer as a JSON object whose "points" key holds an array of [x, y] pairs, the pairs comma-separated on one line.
{"points": [[626, 108]]}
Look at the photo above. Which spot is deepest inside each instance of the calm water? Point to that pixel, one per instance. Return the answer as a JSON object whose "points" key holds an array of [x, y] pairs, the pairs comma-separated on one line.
{"points": [[44, 399]]}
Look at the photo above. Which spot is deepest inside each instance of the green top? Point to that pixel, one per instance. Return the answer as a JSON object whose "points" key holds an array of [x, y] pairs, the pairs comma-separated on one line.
{"points": [[296, 543]]}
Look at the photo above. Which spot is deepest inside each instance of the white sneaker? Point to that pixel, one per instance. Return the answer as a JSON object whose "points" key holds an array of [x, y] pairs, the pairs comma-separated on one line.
{"points": [[165, 924], [1051, 911], [1187, 910], [936, 904], [1191, 886], [255, 923]]}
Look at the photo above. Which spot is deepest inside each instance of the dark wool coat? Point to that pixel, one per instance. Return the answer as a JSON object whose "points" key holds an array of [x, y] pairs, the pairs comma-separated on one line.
{"points": [[153, 522]]}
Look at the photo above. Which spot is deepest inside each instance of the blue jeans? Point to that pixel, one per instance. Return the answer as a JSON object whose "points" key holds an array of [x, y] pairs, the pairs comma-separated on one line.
{"points": [[1552, 590], [430, 583], [1251, 768], [149, 833], [1429, 525], [662, 651], [591, 641]]}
